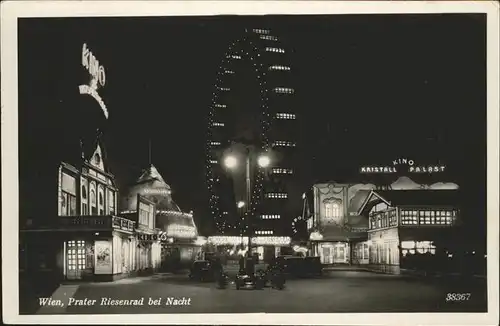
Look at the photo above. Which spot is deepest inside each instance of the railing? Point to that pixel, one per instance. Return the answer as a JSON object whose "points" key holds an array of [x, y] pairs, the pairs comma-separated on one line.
{"points": [[97, 222], [89, 222]]}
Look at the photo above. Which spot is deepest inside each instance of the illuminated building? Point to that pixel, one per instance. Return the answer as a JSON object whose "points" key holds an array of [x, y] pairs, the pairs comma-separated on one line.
{"points": [[179, 245], [86, 240], [361, 224], [256, 63]]}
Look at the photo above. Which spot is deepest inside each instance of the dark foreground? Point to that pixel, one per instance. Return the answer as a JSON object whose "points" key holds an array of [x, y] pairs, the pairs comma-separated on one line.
{"points": [[337, 291]]}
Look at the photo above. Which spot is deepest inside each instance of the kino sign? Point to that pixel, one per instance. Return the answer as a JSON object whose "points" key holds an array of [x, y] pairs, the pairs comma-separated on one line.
{"points": [[98, 77], [411, 167]]}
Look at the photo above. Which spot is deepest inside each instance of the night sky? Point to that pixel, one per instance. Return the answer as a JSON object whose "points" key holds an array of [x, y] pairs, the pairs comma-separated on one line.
{"points": [[371, 88]]}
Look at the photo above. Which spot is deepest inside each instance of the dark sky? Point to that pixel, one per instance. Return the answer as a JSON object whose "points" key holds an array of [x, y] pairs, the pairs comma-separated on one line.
{"points": [[385, 86]]}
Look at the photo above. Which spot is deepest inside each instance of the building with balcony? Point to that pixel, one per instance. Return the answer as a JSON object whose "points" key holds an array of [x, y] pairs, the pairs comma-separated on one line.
{"points": [[381, 227], [85, 240], [407, 225]]}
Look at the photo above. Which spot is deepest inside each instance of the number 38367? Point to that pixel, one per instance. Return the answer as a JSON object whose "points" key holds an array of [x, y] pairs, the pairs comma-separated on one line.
{"points": [[457, 297]]}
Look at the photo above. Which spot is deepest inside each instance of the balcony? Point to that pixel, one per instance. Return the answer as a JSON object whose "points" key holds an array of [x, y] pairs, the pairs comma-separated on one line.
{"points": [[106, 222]]}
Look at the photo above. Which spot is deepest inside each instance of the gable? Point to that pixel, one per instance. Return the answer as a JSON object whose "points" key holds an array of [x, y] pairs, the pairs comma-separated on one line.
{"points": [[372, 200], [97, 159]]}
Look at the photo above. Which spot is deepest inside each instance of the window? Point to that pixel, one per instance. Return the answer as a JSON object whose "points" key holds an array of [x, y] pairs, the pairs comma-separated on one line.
{"points": [[85, 205], [283, 143], [93, 204], [284, 90], [281, 171], [85, 209], [145, 215], [365, 251], [101, 203], [332, 210], [277, 195], [276, 67], [421, 247], [270, 216], [269, 37], [68, 204], [84, 192], [285, 116], [409, 217], [111, 202], [275, 50], [261, 31]]}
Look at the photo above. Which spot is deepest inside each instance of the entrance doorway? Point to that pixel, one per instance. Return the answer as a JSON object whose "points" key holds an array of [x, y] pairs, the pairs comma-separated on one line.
{"points": [[76, 259]]}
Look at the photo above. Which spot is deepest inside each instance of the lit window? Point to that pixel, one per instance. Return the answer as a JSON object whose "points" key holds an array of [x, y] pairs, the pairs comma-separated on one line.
{"points": [[261, 31], [281, 171], [285, 116], [281, 68], [332, 210], [284, 90], [268, 37], [264, 232], [277, 195], [270, 216], [421, 247], [218, 124], [275, 50], [283, 143], [409, 217]]}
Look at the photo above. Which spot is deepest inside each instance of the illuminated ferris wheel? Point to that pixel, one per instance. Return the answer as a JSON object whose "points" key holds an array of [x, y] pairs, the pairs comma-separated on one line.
{"points": [[251, 93]]}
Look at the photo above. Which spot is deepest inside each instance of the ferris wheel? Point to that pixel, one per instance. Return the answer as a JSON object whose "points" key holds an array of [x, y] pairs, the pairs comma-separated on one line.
{"points": [[258, 59]]}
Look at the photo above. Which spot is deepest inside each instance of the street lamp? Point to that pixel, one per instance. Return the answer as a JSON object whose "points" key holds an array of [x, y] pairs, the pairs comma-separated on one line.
{"points": [[264, 161], [231, 162]]}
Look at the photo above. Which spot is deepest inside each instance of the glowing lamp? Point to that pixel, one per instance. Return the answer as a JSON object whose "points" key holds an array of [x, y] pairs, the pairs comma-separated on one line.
{"points": [[230, 162], [241, 204], [264, 161]]}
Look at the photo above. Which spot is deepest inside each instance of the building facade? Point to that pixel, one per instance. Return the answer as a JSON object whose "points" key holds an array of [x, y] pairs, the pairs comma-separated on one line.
{"points": [[179, 241], [381, 229], [267, 123], [86, 240]]}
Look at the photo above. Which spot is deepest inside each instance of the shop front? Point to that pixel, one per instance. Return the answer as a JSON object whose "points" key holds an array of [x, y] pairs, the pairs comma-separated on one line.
{"points": [[81, 248]]}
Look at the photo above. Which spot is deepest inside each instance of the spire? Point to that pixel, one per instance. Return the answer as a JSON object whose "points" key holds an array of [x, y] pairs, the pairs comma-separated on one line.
{"points": [[150, 152]]}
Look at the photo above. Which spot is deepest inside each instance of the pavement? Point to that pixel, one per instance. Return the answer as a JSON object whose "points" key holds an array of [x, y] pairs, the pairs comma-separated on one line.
{"points": [[336, 291]]}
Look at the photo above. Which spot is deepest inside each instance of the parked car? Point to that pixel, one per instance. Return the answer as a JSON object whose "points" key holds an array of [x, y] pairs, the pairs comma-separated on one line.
{"points": [[293, 266], [313, 266], [245, 281], [202, 270]]}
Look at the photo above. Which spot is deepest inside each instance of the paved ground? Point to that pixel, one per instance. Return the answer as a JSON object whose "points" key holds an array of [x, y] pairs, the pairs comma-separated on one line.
{"points": [[337, 291]]}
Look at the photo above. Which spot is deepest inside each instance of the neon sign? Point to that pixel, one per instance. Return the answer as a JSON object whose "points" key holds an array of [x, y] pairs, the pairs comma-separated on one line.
{"points": [[98, 77], [95, 70], [407, 165]]}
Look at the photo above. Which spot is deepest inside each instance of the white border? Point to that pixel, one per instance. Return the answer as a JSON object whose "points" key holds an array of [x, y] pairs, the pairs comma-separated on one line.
{"points": [[11, 10]]}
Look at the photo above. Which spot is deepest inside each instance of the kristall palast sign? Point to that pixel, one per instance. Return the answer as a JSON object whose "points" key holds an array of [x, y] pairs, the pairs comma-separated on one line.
{"points": [[403, 165], [98, 77]]}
